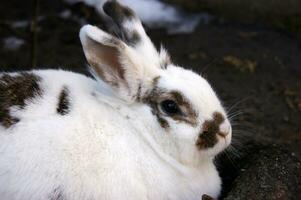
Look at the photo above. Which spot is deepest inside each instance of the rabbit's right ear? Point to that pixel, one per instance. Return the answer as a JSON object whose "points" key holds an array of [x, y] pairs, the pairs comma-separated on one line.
{"points": [[113, 61]]}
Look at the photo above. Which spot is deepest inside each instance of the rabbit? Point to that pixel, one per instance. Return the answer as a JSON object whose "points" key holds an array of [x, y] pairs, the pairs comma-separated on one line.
{"points": [[142, 128]]}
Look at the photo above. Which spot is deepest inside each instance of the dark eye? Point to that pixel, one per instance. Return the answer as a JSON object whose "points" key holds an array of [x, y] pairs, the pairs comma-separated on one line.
{"points": [[170, 107]]}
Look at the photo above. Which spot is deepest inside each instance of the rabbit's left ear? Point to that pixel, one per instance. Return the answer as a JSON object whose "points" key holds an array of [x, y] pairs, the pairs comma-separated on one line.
{"points": [[112, 61], [128, 63]]}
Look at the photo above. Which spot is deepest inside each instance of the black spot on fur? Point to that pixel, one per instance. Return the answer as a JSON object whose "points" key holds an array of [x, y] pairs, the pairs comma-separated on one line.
{"points": [[208, 136], [63, 106], [16, 90]]}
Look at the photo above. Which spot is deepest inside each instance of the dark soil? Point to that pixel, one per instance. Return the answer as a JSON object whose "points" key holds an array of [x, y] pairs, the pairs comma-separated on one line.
{"points": [[255, 70], [284, 15], [266, 172]]}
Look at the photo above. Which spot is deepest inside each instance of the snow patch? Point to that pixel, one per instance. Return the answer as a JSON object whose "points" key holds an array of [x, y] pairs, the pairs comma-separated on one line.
{"points": [[20, 24], [13, 43], [65, 14], [23, 23]]}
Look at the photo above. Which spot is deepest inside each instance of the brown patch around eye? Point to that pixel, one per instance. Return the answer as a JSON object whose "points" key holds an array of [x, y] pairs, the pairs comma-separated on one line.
{"points": [[157, 95], [210, 129], [16, 90], [150, 99], [190, 115], [155, 110]]}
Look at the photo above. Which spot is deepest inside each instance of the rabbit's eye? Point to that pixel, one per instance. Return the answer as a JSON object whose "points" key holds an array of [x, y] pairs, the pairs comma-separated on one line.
{"points": [[170, 107]]}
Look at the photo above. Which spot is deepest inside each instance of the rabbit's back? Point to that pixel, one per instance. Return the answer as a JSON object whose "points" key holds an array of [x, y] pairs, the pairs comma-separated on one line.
{"points": [[53, 135]]}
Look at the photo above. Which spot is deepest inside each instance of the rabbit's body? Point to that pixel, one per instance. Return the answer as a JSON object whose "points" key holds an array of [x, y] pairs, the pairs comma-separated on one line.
{"points": [[94, 150], [142, 129]]}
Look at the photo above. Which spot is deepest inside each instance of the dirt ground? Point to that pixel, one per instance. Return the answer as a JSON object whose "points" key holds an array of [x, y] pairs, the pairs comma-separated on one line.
{"points": [[256, 71], [283, 15]]}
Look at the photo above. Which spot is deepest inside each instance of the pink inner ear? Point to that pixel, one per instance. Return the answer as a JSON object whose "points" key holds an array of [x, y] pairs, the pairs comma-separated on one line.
{"points": [[105, 61]]}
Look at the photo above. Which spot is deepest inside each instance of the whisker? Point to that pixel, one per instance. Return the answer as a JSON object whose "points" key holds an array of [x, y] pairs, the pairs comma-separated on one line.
{"points": [[237, 104], [241, 125], [233, 150], [243, 131], [232, 116], [229, 156]]}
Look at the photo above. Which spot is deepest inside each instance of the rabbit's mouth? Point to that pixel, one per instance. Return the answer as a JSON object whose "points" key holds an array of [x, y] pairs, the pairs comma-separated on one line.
{"points": [[221, 144]]}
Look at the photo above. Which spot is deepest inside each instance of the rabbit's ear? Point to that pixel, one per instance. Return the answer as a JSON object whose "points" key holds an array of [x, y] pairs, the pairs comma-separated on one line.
{"points": [[112, 61], [131, 32]]}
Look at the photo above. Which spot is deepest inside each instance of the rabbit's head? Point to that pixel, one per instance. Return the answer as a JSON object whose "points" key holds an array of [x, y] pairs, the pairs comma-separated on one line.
{"points": [[188, 119]]}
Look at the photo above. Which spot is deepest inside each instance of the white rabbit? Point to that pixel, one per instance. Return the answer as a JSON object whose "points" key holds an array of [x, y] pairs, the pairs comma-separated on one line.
{"points": [[144, 129]]}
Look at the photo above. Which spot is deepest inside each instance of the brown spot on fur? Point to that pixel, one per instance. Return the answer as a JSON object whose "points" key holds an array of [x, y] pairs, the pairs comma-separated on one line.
{"points": [[157, 95], [207, 137], [16, 90], [163, 122], [206, 197], [218, 117], [119, 14], [132, 38], [63, 106]]}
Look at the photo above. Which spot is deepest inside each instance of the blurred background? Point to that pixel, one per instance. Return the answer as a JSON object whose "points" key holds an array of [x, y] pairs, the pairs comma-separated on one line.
{"points": [[250, 51]]}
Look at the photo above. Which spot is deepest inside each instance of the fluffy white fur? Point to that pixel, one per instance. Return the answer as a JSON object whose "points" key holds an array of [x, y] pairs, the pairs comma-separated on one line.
{"points": [[103, 149], [110, 146]]}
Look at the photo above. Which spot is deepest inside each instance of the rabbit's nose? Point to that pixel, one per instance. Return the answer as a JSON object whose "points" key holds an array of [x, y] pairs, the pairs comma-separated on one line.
{"points": [[224, 129]]}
